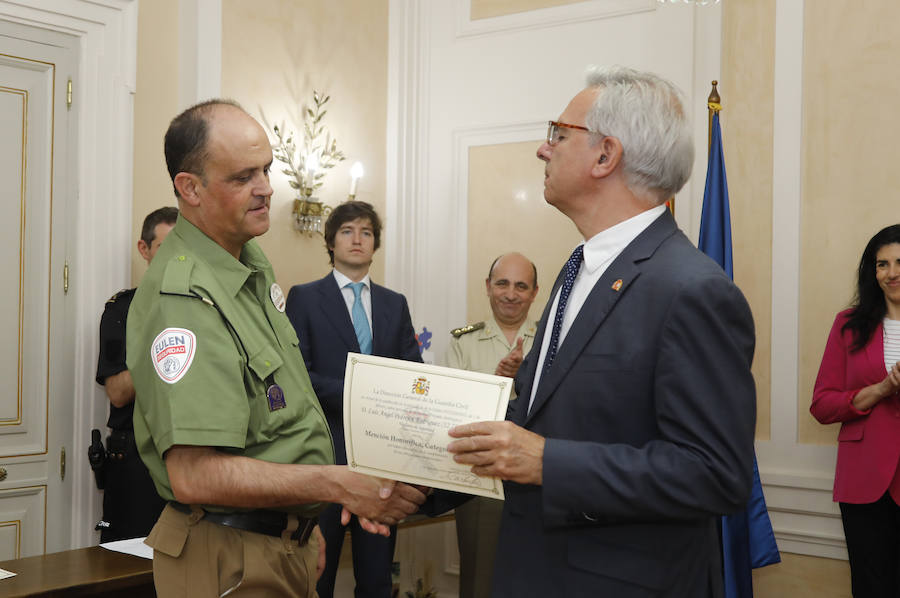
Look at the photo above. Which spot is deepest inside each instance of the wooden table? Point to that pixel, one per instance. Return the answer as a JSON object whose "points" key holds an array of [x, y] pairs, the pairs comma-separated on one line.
{"points": [[90, 571]]}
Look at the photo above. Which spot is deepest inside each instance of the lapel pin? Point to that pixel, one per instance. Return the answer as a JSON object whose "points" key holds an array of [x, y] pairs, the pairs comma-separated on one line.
{"points": [[617, 285]]}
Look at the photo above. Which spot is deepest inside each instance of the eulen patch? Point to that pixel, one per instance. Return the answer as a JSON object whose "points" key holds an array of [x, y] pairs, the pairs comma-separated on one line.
{"points": [[172, 352]]}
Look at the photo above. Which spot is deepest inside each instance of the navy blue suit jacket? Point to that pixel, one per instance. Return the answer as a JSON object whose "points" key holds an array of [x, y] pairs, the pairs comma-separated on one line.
{"points": [[648, 413], [319, 315]]}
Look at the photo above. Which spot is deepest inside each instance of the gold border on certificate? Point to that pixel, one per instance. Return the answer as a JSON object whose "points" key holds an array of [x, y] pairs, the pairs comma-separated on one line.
{"points": [[397, 414]]}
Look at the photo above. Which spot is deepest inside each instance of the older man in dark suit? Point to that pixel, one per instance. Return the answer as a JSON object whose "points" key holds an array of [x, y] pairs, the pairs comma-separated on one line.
{"points": [[346, 312], [634, 426]]}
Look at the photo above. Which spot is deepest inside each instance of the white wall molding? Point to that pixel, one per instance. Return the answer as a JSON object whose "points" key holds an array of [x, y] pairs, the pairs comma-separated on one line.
{"points": [[804, 517], [199, 51], [104, 87], [407, 138], [545, 17], [463, 139]]}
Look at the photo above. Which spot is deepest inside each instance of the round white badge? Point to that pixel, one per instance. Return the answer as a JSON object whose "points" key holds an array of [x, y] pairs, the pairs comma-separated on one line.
{"points": [[277, 296], [172, 352]]}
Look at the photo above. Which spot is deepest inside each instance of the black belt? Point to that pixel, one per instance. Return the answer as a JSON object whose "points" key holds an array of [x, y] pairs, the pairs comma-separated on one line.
{"points": [[270, 523]]}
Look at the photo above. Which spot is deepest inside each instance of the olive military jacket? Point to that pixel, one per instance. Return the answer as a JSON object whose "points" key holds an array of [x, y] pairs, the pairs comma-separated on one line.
{"points": [[480, 348]]}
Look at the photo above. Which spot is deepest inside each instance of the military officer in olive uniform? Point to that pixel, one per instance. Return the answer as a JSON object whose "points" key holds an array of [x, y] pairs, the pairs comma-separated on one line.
{"points": [[496, 346], [225, 417], [130, 502]]}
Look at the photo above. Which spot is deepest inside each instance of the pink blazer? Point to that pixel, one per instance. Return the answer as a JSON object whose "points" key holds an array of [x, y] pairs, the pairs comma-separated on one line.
{"points": [[869, 441]]}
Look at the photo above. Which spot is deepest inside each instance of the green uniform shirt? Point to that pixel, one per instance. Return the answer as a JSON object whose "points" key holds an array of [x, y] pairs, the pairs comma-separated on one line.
{"points": [[482, 349], [204, 342]]}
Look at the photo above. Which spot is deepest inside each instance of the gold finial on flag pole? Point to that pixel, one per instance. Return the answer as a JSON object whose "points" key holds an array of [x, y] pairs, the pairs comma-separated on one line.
{"points": [[713, 104]]}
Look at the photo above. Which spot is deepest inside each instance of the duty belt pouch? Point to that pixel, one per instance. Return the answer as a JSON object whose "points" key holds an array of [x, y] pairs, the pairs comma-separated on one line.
{"points": [[119, 445]]}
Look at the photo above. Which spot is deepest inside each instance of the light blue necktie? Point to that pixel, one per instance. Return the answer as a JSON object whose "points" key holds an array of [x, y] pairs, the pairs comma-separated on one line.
{"points": [[360, 321]]}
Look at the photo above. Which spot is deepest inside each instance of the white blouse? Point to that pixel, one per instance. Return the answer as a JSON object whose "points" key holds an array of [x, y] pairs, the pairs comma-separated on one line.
{"points": [[891, 343]]}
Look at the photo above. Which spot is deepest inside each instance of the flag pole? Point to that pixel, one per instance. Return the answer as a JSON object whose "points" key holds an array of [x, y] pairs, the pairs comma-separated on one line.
{"points": [[713, 105]]}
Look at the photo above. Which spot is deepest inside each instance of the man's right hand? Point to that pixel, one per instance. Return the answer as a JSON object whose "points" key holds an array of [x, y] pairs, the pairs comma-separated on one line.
{"points": [[378, 503], [509, 365]]}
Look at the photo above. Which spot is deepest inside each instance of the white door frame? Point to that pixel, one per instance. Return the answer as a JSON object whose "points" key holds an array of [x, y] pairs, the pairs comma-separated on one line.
{"points": [[103, 102]]}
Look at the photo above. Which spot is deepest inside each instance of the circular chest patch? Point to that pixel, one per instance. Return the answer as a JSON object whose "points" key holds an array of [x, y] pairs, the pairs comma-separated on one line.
{"points": [[277, 296], [172, 352]]}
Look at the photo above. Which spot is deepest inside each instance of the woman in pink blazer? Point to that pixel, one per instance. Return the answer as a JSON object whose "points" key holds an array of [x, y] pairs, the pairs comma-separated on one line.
{"points": [[859, 386]]}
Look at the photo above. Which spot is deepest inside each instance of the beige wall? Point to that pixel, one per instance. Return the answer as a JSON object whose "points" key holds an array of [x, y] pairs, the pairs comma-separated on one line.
{"points": [[482, 9], [850, 174], [508, 213], [747, 90], [155, 103], [272, 59]]}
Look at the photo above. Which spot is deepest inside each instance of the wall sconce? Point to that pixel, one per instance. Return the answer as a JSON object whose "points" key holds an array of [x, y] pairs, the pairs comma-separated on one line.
{"points": [[309, 215], [307, 163], [308, 211]]}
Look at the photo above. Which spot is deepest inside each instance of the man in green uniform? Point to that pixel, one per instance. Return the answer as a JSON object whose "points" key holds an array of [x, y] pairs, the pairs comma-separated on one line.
{"points": [[493, 347], [226, 419]]}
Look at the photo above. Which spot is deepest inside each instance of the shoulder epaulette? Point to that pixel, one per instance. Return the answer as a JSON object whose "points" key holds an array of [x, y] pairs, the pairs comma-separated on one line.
{"points": [[458, 332], [116, 297], [177, 277]]}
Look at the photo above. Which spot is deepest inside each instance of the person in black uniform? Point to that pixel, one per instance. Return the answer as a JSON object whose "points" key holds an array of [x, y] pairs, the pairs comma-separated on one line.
{"points": [[131, 504]]}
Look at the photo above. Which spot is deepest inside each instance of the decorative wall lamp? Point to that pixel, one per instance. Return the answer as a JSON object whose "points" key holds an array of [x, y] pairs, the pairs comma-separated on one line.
{"points": [[307, 165]]}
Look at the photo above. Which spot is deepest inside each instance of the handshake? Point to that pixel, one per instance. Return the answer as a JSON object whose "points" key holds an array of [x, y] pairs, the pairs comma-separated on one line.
{"points": [[378, 503]]}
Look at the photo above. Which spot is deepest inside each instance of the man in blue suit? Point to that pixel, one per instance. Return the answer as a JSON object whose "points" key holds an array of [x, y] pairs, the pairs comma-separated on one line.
{"points": [[633, 430], [346, 312]]}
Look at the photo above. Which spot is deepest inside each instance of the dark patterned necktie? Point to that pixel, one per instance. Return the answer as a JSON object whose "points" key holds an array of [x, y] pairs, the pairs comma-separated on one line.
{"points": [[571, 271]]}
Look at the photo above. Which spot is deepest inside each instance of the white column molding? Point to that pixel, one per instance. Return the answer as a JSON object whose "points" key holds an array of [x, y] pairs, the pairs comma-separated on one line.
{"points": [[200, 51], [407, 140]]}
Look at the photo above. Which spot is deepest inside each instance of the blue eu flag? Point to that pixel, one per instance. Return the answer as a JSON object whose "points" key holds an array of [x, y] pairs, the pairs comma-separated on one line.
{"points": [[748, 541]]}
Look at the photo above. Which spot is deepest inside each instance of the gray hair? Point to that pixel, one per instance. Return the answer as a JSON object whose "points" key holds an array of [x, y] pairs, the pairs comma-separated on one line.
{"points": [[646, 114]]}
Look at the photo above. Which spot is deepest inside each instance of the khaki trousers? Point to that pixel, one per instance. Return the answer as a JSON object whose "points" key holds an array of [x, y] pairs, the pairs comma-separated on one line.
{"points": [[193, 558]]}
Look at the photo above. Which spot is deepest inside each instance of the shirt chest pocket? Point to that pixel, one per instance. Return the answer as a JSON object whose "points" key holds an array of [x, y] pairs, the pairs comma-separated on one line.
{"points": [[266, 415], [264, 362]]}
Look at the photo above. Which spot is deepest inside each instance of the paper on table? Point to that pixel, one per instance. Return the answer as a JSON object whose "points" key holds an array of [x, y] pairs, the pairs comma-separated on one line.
{"points": [[4, 574], [134, 546], [396, 417]]}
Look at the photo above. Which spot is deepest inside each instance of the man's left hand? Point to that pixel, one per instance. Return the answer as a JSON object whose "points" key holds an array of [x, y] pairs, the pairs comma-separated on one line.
{"points": [[499, 449]]}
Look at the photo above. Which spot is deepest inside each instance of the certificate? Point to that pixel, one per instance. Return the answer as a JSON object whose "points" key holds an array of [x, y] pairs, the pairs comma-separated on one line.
{"points": [[396, 417]]}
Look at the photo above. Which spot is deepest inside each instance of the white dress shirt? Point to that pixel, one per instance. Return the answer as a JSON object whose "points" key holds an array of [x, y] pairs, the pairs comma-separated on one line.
{"points": [[365, 294], [599, 252]]}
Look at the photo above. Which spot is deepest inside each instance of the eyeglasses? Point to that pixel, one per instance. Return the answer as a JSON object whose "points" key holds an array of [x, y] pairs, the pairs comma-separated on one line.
{"points": [[553, 130]]}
